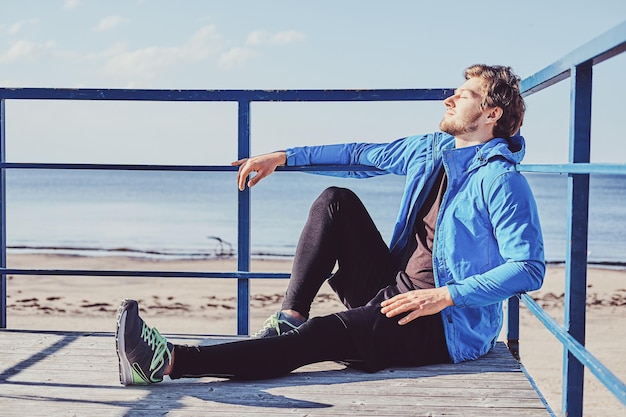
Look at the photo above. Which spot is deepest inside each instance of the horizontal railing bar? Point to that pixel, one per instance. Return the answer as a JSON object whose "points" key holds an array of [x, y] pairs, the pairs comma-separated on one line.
{"points": [[578, 168], [225, 95], [120, 167], [147, 274], [606, 377], [600, 49], [149, 167]]}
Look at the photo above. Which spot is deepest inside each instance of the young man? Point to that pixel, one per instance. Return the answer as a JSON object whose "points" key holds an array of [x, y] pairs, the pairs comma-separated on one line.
{"points": [[467, 237]]}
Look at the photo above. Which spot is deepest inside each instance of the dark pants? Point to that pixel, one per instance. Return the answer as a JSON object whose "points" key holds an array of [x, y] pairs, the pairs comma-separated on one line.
{"points": [[338, 231]]}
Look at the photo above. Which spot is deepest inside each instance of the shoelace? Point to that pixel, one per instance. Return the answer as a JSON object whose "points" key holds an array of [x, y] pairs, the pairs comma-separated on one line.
{"points": [[273, 322], [270, 323], [158, 344]]}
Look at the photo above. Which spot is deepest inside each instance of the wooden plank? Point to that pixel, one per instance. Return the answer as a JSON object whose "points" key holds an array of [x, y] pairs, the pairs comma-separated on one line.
{"points": [[48, 373]]}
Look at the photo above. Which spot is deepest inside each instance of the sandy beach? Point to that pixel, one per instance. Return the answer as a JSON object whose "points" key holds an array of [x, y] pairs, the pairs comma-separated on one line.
{"points": [[208, 306]]}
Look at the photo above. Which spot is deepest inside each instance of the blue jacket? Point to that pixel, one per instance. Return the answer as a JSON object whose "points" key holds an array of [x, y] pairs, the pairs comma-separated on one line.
{"points": [[488, 244]]}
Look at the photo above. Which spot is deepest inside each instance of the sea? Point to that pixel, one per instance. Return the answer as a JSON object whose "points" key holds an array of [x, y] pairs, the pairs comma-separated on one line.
{"points": [[193, 215]]}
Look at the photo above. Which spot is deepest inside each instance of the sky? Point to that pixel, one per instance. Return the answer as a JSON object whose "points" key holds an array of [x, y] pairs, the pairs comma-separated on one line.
{"points": [[352, 44]]}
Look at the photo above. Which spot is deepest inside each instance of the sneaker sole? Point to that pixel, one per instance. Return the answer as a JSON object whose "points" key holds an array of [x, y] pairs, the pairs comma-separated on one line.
{"points": [[126, 373]]}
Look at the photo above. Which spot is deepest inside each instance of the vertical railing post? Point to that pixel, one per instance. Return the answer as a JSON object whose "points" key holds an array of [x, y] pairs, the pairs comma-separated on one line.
{"points": [[243, 225], [577, 233], [3, 218], [512, 327]]}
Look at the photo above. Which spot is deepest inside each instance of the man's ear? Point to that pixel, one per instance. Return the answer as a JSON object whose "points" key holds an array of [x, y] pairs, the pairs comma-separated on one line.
{"points": [[494, 114]]}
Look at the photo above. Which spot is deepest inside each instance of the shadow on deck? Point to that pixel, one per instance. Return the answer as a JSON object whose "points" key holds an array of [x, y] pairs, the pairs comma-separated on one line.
{"points": [[67, 373]]}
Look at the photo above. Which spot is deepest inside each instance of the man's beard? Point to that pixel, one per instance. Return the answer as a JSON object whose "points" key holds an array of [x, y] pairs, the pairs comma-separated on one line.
{"points": [[457, 127]]}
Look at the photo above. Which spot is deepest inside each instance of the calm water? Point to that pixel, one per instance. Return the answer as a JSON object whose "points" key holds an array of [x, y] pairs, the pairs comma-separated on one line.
{"points": [[193, 214]]}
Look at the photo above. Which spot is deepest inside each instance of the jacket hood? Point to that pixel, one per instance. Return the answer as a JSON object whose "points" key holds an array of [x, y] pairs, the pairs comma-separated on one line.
{"points": [[512, 149]]}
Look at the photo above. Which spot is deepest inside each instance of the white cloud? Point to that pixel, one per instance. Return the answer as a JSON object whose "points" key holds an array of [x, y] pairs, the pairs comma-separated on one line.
{"points": [[14, 28], [236, 57], [287, 37], [116, 48], [262, 37], [146, 61], [256, 38], [17, 26], [149, 61], [202, 44], [110, 22], [71, 4], [22, 49]]}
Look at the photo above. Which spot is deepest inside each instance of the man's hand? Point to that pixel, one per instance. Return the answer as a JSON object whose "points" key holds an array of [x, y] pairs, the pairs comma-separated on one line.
{"points": [[262, 165], [418, 302]]}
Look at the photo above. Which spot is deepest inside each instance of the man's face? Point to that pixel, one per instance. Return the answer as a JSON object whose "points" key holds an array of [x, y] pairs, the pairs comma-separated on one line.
{"points": [[463, 109]]}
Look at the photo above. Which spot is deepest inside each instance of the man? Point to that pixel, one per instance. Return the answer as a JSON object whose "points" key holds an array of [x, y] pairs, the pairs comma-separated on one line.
{"points": [[467, 237]]}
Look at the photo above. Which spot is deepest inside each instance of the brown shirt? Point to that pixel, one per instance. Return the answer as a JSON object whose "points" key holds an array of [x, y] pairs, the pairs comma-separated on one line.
{"points": [[419, 266]]}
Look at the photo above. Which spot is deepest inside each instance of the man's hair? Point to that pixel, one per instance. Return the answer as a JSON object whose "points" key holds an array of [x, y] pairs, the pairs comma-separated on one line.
{"points": [[501, 90]]}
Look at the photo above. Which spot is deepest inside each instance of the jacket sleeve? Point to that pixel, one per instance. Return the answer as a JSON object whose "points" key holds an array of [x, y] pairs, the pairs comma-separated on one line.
{"points": [[516, 228], [393, 157]]}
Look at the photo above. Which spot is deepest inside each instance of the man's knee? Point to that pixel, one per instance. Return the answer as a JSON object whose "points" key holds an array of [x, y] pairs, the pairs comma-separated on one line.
{"points": [[336, 194], [333, 199]]}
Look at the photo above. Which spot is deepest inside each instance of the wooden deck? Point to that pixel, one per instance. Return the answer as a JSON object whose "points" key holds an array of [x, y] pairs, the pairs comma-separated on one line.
{"points": [[76, 374]]}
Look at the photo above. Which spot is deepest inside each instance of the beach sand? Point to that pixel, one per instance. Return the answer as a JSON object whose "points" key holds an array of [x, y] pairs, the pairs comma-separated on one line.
{"points": [[208, 306]]}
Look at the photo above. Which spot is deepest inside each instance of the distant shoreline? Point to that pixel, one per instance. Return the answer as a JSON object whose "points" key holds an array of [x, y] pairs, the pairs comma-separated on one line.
{"points": [[222, 253], [137, 253]]}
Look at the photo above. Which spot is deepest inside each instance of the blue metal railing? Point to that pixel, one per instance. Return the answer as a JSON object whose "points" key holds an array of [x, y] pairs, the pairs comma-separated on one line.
{"points": [[243, 98], [577, 66]]}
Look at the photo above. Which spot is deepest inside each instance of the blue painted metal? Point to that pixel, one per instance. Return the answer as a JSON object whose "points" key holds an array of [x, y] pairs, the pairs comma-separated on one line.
{"points": [[116, 167], [243, 97], [578, 65], [512, 328], [610, 381], [577, 234], [603, 47], [3, 217], [243, 241], [533, 384], [211, 168], [225, 95], [147, 274], [578, 168]]}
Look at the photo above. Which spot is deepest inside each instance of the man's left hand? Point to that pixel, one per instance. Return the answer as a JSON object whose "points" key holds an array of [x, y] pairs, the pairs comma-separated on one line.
{"points": [[418, 303]]}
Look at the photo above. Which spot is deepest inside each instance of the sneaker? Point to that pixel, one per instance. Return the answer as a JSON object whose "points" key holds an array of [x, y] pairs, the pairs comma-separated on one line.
{"points": [[141, 350], [277, 324]]}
